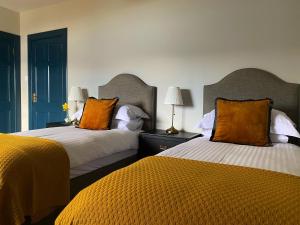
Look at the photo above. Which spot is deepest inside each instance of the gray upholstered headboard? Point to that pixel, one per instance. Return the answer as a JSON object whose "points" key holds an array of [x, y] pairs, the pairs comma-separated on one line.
{"points": [[132, 90], [251, 83]]}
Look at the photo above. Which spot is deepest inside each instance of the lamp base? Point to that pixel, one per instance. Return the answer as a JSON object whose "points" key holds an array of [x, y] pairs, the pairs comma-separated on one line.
{"points": [[172, 130]]}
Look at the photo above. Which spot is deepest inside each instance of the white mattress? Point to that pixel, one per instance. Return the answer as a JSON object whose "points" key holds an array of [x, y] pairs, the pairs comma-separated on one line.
{"points": [[85, 146], [283, 158]]}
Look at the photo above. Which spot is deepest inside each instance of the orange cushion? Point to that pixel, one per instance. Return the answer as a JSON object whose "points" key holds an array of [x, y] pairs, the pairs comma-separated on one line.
{"points": [[243, 122], [97, 113]]}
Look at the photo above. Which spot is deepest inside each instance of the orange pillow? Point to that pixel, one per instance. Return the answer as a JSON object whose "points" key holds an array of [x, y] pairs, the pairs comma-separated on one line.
{"points": [[243, 122], [97, 113]]}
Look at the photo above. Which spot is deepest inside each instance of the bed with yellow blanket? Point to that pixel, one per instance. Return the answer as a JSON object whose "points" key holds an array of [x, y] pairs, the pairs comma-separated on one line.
{"points": [[203, 182], [165, 190], [34, 178]]}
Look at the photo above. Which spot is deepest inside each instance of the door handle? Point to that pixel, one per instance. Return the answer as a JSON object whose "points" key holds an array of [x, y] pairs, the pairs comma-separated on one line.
{"points": [[34, 97]]}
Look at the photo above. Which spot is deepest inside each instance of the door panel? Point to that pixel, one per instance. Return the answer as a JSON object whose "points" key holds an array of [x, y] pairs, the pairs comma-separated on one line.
{"points": [[55, 59], [9, 83], [47, 77]]}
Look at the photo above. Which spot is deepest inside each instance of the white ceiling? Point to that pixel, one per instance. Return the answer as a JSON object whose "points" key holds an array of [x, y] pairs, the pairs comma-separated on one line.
{"points": [[23, 5]]}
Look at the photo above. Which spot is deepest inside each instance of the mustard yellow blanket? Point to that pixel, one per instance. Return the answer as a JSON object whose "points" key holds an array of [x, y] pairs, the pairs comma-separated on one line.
{"points": [[162, 190], [34, 178]]}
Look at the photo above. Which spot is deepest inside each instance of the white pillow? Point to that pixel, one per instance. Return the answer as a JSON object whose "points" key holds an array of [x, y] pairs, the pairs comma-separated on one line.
{"points": [[279, 138], [280, 123], [206, 133], [130, 112], [207, 122], [125, 112], [275, 138], [133, 125], [77, 115]]}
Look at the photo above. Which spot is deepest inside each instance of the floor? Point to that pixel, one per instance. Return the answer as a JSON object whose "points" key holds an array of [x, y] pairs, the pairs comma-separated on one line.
{"points": [[78, 183]]}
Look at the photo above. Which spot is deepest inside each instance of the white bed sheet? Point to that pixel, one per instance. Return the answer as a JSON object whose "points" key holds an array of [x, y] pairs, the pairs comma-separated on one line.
{"points": [[101, 162], [84, 146], [284, 158]]}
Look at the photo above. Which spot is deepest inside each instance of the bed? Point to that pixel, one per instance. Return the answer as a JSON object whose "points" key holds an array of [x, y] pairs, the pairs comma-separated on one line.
{"points": [[83, 154], [200, 182], [88, 150]]}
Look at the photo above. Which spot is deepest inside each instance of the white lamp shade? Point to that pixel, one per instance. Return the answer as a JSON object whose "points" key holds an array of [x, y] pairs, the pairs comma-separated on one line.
{"points": [[173, 96], [76, 94]]}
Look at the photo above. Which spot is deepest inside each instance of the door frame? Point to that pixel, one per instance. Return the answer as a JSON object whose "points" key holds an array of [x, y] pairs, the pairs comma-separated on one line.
{"points": [[32, 37], [17, 80]]}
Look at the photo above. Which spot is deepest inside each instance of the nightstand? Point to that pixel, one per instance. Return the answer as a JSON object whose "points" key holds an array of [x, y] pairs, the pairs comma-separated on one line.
{"points": [[154, 142], [57, 124]]}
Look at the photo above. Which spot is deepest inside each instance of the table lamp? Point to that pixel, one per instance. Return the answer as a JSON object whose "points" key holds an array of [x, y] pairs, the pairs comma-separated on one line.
{"points": [[76, 96], [173, 98]]}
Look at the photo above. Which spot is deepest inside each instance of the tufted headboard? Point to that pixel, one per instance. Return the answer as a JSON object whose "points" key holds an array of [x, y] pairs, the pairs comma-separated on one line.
{"points": [[132, 90], [251, 83]]}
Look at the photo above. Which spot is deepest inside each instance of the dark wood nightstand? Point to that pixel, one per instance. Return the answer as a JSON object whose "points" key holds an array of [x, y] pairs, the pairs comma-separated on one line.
{"points": [[57, 124], [154, 142]]}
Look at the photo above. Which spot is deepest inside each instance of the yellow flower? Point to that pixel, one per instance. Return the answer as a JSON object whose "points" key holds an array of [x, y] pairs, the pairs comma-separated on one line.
{"points": [[65, 107]]}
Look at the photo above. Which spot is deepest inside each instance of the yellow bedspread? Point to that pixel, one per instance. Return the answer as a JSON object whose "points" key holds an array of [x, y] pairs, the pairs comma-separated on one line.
{"points": [[34, 178], [162, 190]]}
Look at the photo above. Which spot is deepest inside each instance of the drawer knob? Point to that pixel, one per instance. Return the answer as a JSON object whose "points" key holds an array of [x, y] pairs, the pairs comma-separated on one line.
{"points": [[163, 147]]}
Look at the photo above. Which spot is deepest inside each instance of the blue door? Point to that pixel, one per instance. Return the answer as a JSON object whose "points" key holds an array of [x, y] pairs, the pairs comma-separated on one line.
{"points": [[47, 54], [10, 105]]}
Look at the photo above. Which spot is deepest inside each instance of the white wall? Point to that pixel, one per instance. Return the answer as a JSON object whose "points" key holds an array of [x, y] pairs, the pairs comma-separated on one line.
{"points": [[9, 21], [186, 43]]}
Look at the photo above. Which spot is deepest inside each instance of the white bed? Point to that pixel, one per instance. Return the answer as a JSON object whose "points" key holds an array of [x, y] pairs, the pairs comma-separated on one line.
{"points": [[280, 157], [89, 150], [240, 204]]}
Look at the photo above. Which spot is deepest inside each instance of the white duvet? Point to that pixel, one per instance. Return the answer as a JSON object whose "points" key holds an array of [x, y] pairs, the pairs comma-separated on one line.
{"points": [[83, 146], [283, 158]]}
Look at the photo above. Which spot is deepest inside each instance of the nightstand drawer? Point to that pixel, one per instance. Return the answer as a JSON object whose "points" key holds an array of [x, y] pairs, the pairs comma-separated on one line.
{"points": [[155, 145], [156, 141]]}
